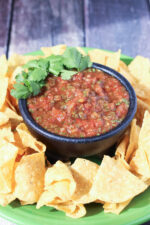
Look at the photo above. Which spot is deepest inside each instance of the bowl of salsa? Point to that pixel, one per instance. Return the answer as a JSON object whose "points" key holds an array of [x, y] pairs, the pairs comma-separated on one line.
{"points": [[82, 116]]}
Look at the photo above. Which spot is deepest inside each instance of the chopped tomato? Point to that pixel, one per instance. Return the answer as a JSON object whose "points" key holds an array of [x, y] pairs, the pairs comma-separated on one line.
{"points": [[89, 104]]}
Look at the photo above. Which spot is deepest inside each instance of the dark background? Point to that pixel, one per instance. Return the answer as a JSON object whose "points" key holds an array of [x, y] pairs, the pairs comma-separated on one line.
{"points": [[26, 25]]}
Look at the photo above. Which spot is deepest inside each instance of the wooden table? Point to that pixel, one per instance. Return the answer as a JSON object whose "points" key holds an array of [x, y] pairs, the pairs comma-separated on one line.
{"points": [[26, 25]]}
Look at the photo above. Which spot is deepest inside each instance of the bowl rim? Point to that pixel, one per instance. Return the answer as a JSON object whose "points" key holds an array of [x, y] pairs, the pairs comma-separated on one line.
{"points": [[122, 126]]}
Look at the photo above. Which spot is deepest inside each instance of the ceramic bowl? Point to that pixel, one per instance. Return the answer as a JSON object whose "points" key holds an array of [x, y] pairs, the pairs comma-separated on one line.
{"points": [[63, 148]]}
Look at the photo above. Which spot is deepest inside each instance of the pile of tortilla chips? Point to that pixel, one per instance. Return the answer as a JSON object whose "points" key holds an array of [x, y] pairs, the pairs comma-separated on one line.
{"points": [[25, 176]]}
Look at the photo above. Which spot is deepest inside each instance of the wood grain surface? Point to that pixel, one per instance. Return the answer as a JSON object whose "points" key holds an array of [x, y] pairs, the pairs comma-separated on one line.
{"points": [[68, 22], [5, 14], [27, 25], [119, 24], [31, 26]]}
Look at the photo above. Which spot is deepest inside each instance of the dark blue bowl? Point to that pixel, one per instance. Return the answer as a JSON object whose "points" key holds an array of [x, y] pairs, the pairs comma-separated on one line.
{"points": [[61, 147]]}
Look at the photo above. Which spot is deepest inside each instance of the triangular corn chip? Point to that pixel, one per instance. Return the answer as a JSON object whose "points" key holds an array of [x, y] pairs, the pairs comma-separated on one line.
{"points": [[84, 172], [28, 140], [115, 208], [133, 143], [122, 147], [113, 60], [142, 106], [114, 183], [140, 163], [60, 184], [123, 69], [29, 178], [5, 199], [3, 118], [8, 153], [140, 70], [6, 133], [56, 50], [3, 66], [3, 91]]}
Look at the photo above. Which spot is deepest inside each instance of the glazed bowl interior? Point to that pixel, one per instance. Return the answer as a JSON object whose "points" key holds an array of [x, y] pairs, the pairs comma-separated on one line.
{"points": [[76, 145]]}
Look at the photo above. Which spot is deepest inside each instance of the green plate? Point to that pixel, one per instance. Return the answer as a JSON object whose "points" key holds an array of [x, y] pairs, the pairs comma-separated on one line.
{"points": [[137, 212]]}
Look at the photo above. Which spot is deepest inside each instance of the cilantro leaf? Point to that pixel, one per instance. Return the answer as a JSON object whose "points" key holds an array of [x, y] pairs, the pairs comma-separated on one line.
{"points": [[43, 64], [67, 74], [72, 58], [36, 87], [37, 74], [21, 77], [84, 63], [56, 64], [31, 64], [20, 91], [36, 64]]}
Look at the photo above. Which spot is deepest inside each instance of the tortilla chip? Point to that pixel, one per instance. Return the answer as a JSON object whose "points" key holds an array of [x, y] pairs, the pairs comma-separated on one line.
{"points": [[7, 114], [141, 108], [8, 103], [59, 185], [3, 118], [122, 147], [56, 50], [3, 90], [71, 209], [84, 172], [124, 66], [142, 92], [8, 153], [18, 143], [115, 208], [124, 163], [133, 143], [6, 133], [59, 178], [113, 60], [28, 140], [79, 212], [5, 199], [98, 56], [67, 207], [58, 172], [140, 70], [139, 165], [55, 194], [29, 178], [141, 161], [3, 66], [105, 58], [12, 114], [144, 136], [114, 183], [123, 70], [48, 197], [12, 102], [22, 150]]}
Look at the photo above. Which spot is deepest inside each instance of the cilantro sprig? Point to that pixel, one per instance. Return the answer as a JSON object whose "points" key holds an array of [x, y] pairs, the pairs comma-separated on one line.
{"points": [[32, 79]]}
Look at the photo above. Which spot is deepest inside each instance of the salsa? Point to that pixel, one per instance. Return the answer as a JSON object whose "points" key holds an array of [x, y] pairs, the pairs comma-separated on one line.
{"points": [[89, 104]]}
